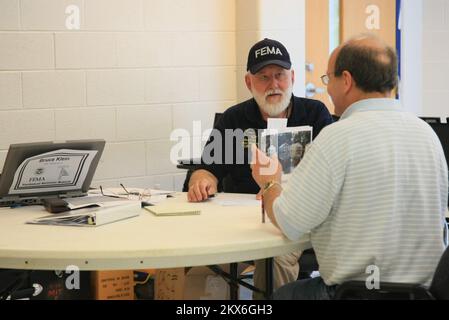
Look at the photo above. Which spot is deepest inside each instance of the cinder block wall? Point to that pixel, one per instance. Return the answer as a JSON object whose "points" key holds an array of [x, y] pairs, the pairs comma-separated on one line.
{"points": [[436, 58], [134, 71]]}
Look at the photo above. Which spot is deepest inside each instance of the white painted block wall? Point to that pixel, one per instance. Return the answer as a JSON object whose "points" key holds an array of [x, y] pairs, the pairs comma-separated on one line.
{"points": [[283, 20], [134, 71], [436, 58]]}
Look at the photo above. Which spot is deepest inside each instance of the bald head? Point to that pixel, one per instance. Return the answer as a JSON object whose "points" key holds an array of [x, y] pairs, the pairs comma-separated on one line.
{"points": [[371, 63]]}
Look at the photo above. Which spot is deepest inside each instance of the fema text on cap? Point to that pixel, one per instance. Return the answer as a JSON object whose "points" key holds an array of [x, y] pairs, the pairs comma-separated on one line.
{"points": [[268, 50]]}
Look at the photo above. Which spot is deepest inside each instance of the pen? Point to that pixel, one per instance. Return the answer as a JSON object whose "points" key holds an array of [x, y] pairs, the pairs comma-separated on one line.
{"points": [[263, 210]]}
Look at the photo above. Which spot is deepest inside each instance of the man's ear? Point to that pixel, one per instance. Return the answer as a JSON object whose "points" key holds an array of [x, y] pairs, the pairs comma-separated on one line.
{"points": [[248, 82], [348, 81], [293, 76]]}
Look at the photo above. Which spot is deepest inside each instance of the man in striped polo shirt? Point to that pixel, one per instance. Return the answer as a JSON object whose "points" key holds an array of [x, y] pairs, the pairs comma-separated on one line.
{"points": [[372, 190]]}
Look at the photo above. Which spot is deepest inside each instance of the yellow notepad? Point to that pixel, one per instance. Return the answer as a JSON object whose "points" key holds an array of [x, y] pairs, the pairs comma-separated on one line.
{"points": [[174, 209]]}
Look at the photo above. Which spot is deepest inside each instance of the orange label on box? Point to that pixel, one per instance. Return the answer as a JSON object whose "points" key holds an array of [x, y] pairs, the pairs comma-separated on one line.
{"points": [[114, 285]]}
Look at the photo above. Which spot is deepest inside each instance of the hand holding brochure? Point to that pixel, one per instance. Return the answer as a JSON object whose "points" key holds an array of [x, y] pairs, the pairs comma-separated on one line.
{"points": [[289, 144]]}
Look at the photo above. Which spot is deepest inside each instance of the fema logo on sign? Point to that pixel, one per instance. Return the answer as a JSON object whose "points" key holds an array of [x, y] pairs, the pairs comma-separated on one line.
{"points": [[39, 171]]}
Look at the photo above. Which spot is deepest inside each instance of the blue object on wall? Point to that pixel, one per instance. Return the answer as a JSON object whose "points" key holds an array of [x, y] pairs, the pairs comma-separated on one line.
{"points": [[398, 37]]}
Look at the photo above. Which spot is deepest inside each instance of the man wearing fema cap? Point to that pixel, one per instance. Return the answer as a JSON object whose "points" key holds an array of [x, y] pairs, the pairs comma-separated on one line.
{"points": [[270, 80]]}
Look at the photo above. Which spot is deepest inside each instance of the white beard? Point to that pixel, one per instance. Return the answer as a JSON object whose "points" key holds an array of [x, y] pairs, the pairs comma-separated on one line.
{"points": [[273, 109]]}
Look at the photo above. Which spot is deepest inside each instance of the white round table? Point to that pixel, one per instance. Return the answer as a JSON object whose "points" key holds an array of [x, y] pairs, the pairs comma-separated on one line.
{"points": [[220, 234]]}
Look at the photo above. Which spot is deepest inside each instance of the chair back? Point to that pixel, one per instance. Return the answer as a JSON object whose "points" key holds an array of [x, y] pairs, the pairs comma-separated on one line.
{"points": [[431, 119], [335, 118], [440, 283], [439, 289]]}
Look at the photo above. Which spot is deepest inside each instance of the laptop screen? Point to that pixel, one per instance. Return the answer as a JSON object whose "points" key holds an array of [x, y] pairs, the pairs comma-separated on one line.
{"points": [[35, 171]]}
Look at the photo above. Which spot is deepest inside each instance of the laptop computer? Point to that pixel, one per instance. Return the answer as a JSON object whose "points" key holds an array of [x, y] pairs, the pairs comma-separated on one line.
{"points": [[33, 172]]}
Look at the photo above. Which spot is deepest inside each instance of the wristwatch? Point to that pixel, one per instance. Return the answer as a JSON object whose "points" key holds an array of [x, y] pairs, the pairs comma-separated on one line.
{"points": [[269, 185]]}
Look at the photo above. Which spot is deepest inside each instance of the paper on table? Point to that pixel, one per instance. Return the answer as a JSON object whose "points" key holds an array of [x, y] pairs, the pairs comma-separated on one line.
{"points": [[157, 192], [101, 201], [239, 203], [133, 191], [155, 199]]}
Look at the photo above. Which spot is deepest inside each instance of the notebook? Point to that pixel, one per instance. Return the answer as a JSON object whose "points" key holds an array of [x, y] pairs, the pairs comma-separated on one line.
{"points": [[36, 171], [174, 209], [91, 217]]}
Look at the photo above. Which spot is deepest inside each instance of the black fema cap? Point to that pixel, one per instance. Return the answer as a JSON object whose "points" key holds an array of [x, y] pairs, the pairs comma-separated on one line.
{"points": [[267, 52]]}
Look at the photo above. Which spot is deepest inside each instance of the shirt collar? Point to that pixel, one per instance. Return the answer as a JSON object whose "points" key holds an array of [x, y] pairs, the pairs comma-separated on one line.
{"points": [[382, 104]]}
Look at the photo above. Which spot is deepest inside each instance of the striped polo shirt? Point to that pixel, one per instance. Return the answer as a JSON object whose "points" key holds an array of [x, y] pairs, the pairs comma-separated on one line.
{"points": [[372, 191]]}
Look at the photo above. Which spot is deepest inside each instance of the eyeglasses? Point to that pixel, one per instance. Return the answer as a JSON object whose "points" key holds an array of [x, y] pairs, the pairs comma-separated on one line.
{"points": [[131, 195], [325, 78], [140, 195], [108, 195]]}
